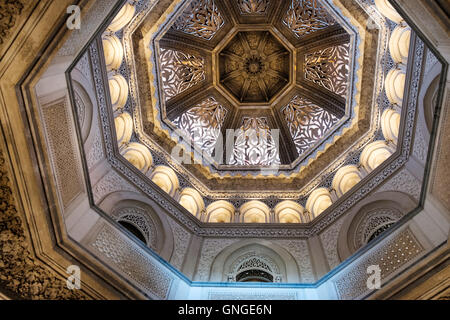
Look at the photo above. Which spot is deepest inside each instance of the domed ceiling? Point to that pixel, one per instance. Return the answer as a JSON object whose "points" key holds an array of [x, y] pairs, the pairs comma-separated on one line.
{"points": [[310, 100], [247, 108], [254, 84]]}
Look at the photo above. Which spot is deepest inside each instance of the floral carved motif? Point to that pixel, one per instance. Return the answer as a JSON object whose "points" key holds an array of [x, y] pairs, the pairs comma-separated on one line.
{"points": [[21, 275], [307, 16], [307, 122], [180, 71], [329, 68], [202, 19]]}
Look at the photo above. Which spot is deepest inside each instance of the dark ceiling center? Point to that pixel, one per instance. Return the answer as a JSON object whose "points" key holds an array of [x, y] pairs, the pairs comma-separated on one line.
{"points": [[254, 66]]}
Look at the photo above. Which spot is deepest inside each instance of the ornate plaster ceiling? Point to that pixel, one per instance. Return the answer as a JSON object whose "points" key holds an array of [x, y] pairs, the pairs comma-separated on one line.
{"points": [[256, 51], [179, 91]]}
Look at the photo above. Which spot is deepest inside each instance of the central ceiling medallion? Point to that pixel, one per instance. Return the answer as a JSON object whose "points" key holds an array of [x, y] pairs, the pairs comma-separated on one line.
{"points": [[254, 66]]}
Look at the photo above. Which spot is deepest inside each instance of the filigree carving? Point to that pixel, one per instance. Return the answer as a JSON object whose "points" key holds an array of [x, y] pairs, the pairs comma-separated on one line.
{"points": [[390, 256], [63, 152], [307, 16], [254, 144], [203, 123], [254, 66], [181, 239], [20, 272], [307, 122], [231, 231], [254, 261], [110, 183], [132, 261], [210, 249], [299, 250], [180, 71], [95, 152], [371, 224], [405, 182], [253, 6], [141, 220], [329, 240], [329, 68], [202, 19]]}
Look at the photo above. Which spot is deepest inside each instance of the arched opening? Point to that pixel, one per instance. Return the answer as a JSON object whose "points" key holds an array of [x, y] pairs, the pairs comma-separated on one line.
{"points": [[254, 275], [135, 231], [380, 231]]}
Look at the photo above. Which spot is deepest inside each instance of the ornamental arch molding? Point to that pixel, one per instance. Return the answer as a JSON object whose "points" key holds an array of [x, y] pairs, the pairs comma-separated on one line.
{"points": [[369, 217], [225, 265], [139, 209]]}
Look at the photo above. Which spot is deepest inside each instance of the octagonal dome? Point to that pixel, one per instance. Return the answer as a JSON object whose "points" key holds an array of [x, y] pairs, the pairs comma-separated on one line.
{"points": [[232, 72], [254, 66]]}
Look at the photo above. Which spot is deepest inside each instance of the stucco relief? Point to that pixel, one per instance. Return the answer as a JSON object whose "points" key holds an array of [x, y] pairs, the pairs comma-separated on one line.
{"points": [[181, 243], [329, 240]]}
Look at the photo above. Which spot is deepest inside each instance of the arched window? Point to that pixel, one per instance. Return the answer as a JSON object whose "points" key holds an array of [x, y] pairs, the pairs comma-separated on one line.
{"points": [[135, 231], [253, 267], [379, 231], [254, 275]]}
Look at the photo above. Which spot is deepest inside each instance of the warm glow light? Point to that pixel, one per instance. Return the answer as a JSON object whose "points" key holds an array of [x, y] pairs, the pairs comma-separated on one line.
{"points": [[220, 212], [165, 178], [113, 50], [395, 85], [122, 18], [375, 154], [289, 212], [399, 44], [118, 88], [390, 123], [124, 128], [192, 201], [255, 212], [138, 155], [318, 201], [387, 10], [346, 178]]}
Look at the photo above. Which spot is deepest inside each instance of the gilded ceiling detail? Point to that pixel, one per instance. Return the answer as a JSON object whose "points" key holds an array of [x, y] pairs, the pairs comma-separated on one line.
{"points": [[253, 6], [255, 144], [180, 71], [305, 17], [329, 68], [254, 66], [307, 122], [203, 123], [202, 19]]}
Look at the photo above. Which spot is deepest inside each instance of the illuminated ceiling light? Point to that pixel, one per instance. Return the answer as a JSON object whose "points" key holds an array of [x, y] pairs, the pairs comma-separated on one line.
{"points": [[122, 18], [395, 85], [165, 178], [390, 124], [399, 44], [220, 212], [118, 88], [124, 128], [318, 201], [192, 201], [113, 50], [255, 212], [346, 178], [138, 155], [375, 154], [387, 10]]}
